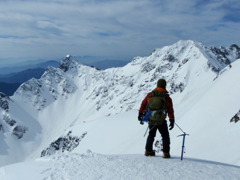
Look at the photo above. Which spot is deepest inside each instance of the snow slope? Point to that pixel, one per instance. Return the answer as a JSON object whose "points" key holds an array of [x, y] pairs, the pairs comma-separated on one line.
{"points": [[98, 166], [208, 120]]}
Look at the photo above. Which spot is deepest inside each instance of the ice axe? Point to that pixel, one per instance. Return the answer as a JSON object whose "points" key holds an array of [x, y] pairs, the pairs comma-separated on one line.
{"points": [[183, 135]]}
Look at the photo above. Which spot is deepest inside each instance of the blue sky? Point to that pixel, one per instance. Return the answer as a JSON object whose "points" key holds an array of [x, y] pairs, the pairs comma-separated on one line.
{"points": [[114, 29]]}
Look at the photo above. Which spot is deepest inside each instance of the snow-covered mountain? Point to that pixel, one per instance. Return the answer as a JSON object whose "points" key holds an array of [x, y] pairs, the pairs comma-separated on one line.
{"points": [[76, 107]]}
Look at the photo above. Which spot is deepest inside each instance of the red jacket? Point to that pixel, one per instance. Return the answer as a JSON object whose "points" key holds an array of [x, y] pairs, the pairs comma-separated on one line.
{"points": [[169, 105]]}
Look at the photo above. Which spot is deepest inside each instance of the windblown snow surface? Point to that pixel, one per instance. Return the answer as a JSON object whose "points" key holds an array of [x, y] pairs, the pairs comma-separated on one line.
{"points": [[83, 122], [90, 165]]}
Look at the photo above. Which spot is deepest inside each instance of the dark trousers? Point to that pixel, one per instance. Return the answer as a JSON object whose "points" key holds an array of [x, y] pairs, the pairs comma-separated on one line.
{"points": [[163, 129]]}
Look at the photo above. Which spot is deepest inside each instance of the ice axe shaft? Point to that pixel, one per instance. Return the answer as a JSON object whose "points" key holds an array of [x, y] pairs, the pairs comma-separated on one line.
{"points": [[184, 135]]}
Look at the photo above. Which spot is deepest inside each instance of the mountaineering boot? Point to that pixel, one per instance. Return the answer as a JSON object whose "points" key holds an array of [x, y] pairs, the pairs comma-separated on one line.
{"points": [[166, 155], [149, 153]]}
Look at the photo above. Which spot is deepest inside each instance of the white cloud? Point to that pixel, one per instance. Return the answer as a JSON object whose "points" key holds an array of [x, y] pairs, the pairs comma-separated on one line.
{"points": [[120, 28]]}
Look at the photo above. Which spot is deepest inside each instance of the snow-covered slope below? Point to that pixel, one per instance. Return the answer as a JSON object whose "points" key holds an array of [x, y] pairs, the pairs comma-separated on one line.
{"points": [[84, 108], [97, 166], [208, 120]]}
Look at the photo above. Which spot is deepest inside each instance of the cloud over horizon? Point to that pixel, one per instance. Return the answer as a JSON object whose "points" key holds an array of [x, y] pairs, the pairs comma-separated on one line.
{"points": [[120, 29]]}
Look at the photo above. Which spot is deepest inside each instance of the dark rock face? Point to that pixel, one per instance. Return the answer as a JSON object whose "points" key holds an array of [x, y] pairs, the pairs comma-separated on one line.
{"points": [[147, 67], [19, 131], [235, 48], [66, 143], [170, 58], [236, 117], [1, 128], [4, 104], [176, 87], [223, 53], [67, 63], [8, 120], [9, 123], [3, 101]]}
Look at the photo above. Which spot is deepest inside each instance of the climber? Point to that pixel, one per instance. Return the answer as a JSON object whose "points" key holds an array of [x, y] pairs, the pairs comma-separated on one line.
{"points": [[159, 102]]}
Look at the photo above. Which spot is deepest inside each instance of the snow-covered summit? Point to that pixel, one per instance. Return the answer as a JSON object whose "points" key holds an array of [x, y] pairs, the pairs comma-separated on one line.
{"points": [[217, 58], [68, 63]]}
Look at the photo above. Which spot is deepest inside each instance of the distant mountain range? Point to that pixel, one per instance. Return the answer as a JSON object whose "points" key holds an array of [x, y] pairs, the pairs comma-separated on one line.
{"points": [[12, 77], [18, 68], [22, 76], [9, 88]]}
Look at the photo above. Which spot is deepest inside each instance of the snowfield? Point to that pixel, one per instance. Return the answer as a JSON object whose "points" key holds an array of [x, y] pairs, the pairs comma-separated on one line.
{"points": [[93, 166]]}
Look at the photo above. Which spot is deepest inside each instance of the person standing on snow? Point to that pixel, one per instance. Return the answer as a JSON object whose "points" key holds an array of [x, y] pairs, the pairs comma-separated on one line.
{"points": [[160, 105]]}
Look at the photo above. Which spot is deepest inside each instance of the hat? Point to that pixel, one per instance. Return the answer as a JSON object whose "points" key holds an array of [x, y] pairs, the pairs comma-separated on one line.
{"points": [[161, 83]]}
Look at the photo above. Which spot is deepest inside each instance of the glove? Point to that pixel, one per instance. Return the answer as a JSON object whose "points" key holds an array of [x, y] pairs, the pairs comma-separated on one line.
{"points": [[140, 117], [171, 124]]}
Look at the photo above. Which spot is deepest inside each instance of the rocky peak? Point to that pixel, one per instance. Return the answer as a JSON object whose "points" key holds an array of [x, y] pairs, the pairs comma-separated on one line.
{"points": [[68, 63], [226, 55], [221, 54], [4, 101], [236, 117], [236, 49]]}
